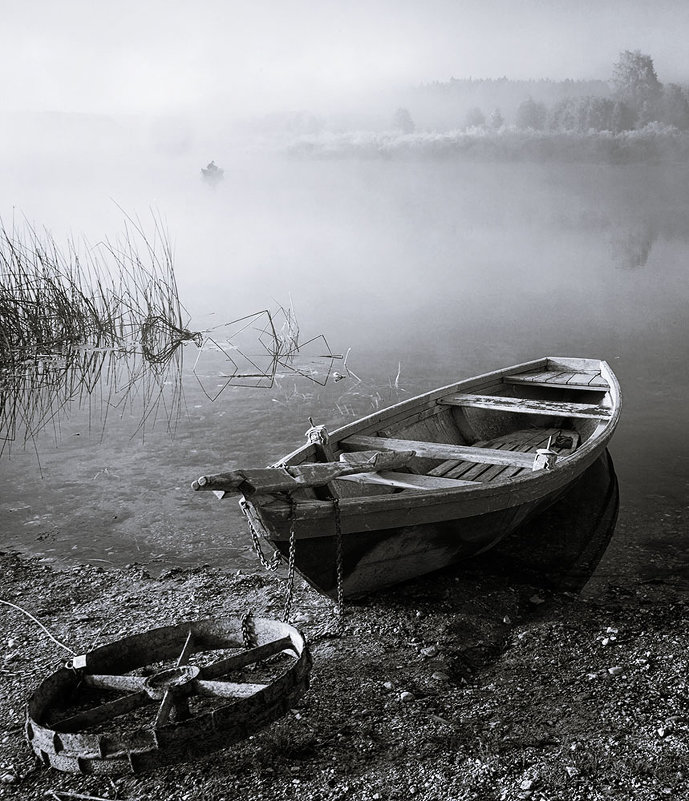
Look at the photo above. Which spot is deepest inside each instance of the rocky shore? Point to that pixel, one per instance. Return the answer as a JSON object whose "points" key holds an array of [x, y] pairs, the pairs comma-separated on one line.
{"points": [[463, 686]]}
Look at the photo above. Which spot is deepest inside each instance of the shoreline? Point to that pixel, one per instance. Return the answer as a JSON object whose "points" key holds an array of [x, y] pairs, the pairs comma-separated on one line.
{"points": [[467, 685]]}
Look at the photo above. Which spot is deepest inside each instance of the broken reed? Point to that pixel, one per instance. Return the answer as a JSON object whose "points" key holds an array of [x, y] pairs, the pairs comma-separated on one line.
{"points": [[101, 322]]}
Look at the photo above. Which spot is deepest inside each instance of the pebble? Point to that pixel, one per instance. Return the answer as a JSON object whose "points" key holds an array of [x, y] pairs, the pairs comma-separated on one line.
{"points": [[615, 671], [572, 771], [440, 676], [527, 784], [406, 696], [388, 685], [8, 778], [430, 651], [536, 599]]}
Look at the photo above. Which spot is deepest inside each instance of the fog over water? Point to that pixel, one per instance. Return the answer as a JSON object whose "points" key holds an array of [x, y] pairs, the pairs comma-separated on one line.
{"points": [[429, 271]]}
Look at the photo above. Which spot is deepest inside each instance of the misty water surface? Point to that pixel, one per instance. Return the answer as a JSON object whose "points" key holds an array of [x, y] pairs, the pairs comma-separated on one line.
{"points": [[435, 270]]}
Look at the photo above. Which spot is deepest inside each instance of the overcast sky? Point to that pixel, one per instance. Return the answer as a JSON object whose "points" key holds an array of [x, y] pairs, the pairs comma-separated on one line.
{"points": [[263, 55]]}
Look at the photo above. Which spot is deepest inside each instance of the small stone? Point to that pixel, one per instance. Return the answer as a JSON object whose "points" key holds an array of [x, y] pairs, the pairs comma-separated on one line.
{"points": [[388, 685], [615, 671], [527, 784], [506, 620], [572, 771], [430, 651], [8, 778], [406, 697], [438, 675], [536, 599], [661, 732]]}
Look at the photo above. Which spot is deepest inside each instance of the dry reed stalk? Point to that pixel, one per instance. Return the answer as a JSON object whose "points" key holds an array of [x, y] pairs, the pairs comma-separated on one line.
{"points": [[73, 322]]}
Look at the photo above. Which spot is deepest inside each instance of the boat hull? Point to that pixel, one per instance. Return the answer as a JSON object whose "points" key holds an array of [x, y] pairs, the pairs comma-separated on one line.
{"points": [[379, 558], [557, 540]]}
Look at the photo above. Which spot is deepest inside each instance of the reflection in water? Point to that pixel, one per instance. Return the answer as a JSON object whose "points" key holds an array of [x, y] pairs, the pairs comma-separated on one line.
{"points": [[561, 548], [631, 246]]}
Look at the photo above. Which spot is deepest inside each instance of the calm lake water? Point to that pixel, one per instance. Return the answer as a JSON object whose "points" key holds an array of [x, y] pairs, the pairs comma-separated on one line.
{"points": [[428, 272]]}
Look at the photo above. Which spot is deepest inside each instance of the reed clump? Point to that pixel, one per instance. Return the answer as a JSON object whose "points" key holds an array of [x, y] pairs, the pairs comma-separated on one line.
{"points": [[84, 318]]}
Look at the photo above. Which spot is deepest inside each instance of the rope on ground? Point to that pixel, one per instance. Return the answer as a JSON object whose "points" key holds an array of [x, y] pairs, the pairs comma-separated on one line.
{"points": [[38, 622]]}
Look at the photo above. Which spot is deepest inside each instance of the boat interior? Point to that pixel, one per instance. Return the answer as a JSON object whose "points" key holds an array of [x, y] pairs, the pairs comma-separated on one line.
{"points": [[486, 430]]}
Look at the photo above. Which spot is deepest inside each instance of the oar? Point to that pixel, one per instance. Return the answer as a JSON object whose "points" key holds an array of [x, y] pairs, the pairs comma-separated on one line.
{"points": [[293, 477]]}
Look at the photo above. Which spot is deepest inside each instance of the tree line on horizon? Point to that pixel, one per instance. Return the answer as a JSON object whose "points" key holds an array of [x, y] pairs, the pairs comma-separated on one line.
{"points": [[632, 99]]}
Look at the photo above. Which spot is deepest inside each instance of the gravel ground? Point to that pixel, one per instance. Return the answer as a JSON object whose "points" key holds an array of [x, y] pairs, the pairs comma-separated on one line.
{"points": [[462, 686]]}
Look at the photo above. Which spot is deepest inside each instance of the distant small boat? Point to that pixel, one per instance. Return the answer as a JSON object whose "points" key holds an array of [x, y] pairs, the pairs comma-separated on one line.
{"points": [[212, 174], [428, 482]]}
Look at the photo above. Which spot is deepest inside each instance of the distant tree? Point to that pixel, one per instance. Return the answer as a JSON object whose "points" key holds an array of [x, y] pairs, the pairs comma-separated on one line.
{"points": [[675, 107], [635, 82], [623, 117], [474, 118], [582, 114], [402, 121], [496, 120], [531, 114]]}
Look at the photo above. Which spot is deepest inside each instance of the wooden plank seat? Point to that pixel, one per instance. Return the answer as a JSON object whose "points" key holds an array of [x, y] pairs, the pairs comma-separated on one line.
{"points": [[439, 450], [411, 481], [562, 379], [506, 403]]}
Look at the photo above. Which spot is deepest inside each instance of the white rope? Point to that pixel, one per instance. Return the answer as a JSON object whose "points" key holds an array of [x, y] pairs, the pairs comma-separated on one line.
{"points": [[38, 622]]}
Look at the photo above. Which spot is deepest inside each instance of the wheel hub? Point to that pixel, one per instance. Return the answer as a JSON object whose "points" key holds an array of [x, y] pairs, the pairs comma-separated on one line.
{"points": [[178, 680]]}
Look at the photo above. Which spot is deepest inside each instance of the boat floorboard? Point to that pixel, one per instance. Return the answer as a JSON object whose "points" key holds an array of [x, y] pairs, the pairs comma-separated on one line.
{"points": [[527, 440], [561, 379]]}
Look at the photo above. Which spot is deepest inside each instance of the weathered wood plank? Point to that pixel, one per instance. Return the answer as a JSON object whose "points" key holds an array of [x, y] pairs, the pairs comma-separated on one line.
{"points": [[534, 382], [573, 365], [268, 480], [524, 406], [411, 481], [582, 378], [438, 450]]}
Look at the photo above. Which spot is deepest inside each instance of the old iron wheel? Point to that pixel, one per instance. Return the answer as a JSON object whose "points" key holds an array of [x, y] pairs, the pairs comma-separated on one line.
{"points": [[230, 711]]}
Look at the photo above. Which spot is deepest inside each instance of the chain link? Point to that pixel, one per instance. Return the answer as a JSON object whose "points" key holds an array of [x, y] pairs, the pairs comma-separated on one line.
{"points": [[339, 609], [290, 562], [271, 564], [248, 630]]}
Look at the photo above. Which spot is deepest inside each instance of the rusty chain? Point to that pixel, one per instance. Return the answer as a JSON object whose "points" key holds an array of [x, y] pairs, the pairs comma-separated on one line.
{"points": [[291, 559], [271, 564]]}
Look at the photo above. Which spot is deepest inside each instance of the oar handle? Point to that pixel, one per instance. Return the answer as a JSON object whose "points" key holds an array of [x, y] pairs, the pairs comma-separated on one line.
{"points": [[313, 474]]}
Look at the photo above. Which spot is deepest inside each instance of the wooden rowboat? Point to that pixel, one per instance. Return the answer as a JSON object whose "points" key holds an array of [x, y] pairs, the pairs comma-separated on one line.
{"points": [[430, 481]]}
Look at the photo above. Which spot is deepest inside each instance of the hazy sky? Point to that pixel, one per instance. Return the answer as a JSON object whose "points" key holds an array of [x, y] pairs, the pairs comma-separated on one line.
{"points": [[259, 55]]}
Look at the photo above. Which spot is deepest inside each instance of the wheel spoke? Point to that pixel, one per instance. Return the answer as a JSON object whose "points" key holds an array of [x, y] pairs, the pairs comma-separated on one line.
{"points": [[164, 710], [228, 689], [223, 666], [104, 712], [187, 650], [129, 684]]}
